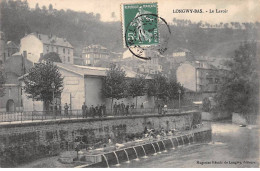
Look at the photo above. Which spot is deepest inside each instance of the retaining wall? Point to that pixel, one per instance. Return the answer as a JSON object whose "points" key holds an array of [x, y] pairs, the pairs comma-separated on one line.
{"points": [[22, 142]]}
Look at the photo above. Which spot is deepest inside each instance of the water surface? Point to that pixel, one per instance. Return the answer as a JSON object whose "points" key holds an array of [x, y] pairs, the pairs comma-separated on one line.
{"points": [[231, 146]]}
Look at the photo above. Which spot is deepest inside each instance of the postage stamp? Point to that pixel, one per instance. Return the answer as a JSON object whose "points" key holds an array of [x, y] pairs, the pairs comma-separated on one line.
{"points": [[139, 23], [143, 29]]}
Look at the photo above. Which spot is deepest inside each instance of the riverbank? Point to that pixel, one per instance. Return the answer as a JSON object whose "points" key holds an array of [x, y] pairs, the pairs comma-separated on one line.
{"points": [[231, 147], [159, 145]]}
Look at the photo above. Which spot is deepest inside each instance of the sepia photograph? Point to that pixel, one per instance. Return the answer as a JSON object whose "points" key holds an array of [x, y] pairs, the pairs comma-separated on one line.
{"points": [[129, 83]]}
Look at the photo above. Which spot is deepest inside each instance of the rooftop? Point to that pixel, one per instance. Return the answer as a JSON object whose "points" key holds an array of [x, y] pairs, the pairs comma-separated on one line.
{"points": [[52, 40], [93, 71]]}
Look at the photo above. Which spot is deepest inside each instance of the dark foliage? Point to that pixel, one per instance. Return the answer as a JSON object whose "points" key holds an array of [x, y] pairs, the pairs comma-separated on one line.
{"points": [[240, 91], [114, 84], [51, 57], [2, 82], [38, 82], [163, 88], [137, 87]]}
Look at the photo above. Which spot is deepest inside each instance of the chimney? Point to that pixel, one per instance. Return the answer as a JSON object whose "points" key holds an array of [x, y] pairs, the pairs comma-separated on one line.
{"points": [[25, 54]]}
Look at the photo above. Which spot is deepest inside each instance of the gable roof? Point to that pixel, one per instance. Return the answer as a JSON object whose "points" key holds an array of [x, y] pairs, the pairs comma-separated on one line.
{"points": [[83, 70], [17, 64], [52, 40], [11, 44], [93, 71]]}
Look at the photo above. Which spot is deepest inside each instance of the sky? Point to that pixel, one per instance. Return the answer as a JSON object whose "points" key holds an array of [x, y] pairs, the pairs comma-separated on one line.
{"points": [[238, 10]]}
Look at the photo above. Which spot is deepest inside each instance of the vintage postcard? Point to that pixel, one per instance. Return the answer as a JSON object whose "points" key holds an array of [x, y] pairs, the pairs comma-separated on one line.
{"points": [[129, 83]]}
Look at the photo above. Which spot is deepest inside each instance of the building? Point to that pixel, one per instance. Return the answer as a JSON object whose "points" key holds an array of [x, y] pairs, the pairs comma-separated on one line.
{"points": [[10, 49], [151, 66], [36, 44], [83, 84], [93, 54], [200, 77], [147, 67], [78, 60], [2, 47], [181, 55], [14, 67]]}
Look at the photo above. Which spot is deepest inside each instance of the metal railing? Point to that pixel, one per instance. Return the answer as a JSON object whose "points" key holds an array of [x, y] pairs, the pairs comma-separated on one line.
{"points": [[28, 116]]}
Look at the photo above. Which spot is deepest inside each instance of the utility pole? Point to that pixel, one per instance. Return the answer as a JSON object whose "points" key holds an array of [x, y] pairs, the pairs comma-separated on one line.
{"points": [[70, 102], [53, 88], [179, 91]]}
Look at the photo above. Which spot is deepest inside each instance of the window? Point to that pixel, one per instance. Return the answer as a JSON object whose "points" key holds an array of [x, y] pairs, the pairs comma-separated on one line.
{"points": [[68, 51], [63, 50], [57, 49], [216, 80], [68, 59], [47, 48]]}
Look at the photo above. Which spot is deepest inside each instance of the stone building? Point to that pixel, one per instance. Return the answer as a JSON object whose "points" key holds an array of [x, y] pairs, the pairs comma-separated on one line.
{"points": [[2, 47], [36, 44], [146, 67], [83, 84], [200, 77], [14, 67], [181, 55], [10, 49], [93, 54], [151, 66], [7, 49]]}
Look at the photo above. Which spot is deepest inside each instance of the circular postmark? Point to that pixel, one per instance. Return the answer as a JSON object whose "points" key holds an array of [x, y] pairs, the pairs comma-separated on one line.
{"points": [[145, 33]]}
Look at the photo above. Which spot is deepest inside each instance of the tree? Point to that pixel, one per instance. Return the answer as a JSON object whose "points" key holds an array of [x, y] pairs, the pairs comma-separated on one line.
{"points": [[50, 7], [2, 82], [137, 87], [38, 83], [114, 84], [37, 7], [174, 89], [157, 87], [239, 92], [52, 57]]}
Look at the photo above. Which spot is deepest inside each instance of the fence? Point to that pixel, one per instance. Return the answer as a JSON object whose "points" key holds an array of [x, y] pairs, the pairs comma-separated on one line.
{"points": [[27, 116]]}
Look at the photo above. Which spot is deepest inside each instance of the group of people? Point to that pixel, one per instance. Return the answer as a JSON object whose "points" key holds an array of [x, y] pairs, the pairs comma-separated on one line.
{"points": [[99, 110], [162, 109], [122, 109], [118, 109]]}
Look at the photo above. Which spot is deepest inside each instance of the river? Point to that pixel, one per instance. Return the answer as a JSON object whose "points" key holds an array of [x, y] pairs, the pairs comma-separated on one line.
{"points": [[231, 146]]}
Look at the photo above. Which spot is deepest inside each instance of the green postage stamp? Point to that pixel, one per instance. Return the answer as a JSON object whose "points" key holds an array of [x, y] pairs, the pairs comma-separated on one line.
{"points": [[139, 22]]}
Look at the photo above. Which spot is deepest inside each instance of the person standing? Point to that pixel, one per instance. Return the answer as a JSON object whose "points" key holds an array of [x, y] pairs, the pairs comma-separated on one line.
{"points": [[122, 108], [104, 110], [100, 111], [165, 109], [142, 106], [84, 108], [127, 109], [66, 109], [97, 110], [115, 109], [93, 112], [132, 108], [118, 108], [159, 109]]}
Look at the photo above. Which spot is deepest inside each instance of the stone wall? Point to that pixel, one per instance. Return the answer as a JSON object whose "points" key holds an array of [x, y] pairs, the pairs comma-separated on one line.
{"points": [[23, 142], [209, 116]]}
